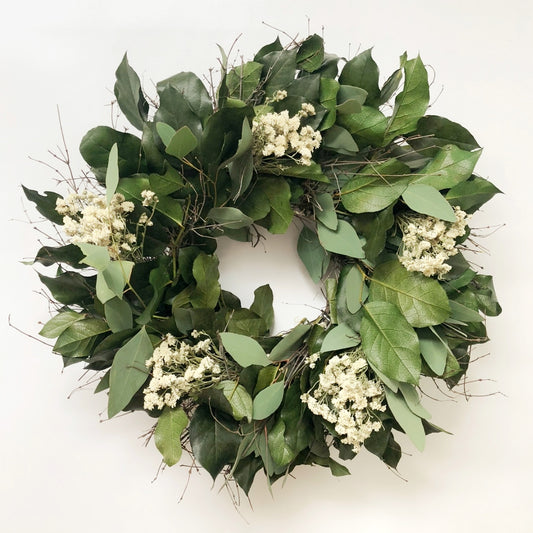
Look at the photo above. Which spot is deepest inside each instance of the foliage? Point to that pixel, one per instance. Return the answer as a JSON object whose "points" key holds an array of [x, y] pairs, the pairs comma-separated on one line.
{"points": [[195, 171]]}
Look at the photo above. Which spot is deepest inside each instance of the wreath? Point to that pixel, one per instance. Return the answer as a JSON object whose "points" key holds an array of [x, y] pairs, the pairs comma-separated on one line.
{"points": [[383, 194]]}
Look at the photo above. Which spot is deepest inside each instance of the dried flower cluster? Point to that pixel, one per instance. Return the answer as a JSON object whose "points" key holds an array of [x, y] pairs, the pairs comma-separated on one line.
{"points": [[429, 242], [88, 218], [347, 398], [278, 134], [179, 370]]}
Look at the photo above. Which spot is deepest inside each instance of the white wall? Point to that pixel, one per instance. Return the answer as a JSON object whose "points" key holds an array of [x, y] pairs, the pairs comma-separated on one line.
{"points": [[64, 470]]}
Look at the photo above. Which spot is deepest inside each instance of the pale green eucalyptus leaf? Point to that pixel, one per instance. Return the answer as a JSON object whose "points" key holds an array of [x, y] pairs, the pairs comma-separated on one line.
{"points": [[128, 371], [170, 425], [182, 143], [340, 337], [412, 399], [268, 400], [238, 398], [118, 314], [325, 211], [111, 177], [409, 422], [427, 200], [245, 350], [434, 349], [344, 240]]}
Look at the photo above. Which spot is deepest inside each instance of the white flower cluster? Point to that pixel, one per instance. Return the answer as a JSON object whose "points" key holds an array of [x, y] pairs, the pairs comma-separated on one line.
{"points": [[347, 398], [278, 134], [429, 242], [88, 218], [179, 369]]}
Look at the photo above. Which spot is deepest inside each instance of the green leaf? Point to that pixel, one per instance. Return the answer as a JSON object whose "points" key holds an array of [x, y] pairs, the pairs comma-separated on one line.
{"points": [[95, 256], [409, 422], [45, 204], [376, 187], [193, 91], [411, 103], [230, 217], [246, 322], [311, 172], [355, 289], [427, 200], [464, 314], [175, 110], [280, 450], [374, 228], [278, 194], [325, 211], [80, 330], [238, 398], [340, 337], [279, 70], [129, 94], [275, 46], [328, 99], [412, 399], [435, 132], [422, 300], [111, 281], [344, 240], [118, 314], [434, 350], [243, 80], [245, 350], [241, 164], [69, 254], [390, 86], [59, 323], [312, 254], [128, 371], [350, 100], [214, 443], [362, 71], [159, 278], [472, 194], [450, 166], [182, 143], [69, 287], [286, 346], [170, 425], [369, 124], [311, 53], [262, 304], [339, 140], [205, 272], [97, 143], [267, 401], [390, 343], [165, 132]]}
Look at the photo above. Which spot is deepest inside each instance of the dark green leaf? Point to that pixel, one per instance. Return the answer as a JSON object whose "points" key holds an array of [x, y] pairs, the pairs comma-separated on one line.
{"points": [[374, 227], [462, 313], [205, 272], [376, 187], [97, 143], [214, 443], [193, 91], [390, 86], [70, 287], [45, 204], [350, 100], [118, 315], [69, 254], [170, 425], [230, 217], [128, 372], [328, 99], [286, 346], [311, 53], [369, 124], [262, 304], [472, 194], [246, 322], [280, 450], [362, 71], [422, 300], [275, 46], [59, 323], [411, 103], [339, 140], [129, 94], [390, 343], [243, 80], [450, 166], [175, 110], [80, 330], [279, 69], [312, 254]]}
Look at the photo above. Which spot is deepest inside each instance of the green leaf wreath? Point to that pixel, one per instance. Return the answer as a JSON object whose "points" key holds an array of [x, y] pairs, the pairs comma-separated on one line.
{"points": [[382, 194]]}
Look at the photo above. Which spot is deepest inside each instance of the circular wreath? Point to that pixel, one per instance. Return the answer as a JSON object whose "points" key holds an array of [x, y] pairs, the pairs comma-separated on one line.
{"points": [[383, 194]]}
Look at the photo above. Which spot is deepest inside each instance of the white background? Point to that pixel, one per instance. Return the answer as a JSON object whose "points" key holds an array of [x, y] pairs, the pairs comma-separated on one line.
{"points": [[63, 469]]}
